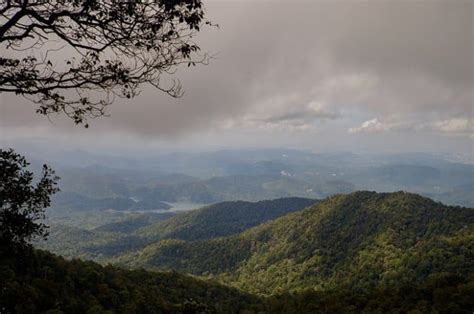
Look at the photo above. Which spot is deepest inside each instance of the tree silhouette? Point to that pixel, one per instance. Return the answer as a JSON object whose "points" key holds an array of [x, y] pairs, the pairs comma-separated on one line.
{"points": [[112, 47], [22, 203]]}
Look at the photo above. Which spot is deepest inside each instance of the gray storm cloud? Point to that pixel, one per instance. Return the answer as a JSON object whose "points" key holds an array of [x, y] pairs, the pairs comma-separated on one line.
{"points": [[389, 60]]}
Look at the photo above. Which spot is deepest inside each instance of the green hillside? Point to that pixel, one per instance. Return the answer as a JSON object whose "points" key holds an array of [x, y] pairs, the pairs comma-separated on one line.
{"points": [[221, 219], [440, 293], [39, 282], [72, 233], [358, 241], [134, 222], [358, 253], [43, 283]]}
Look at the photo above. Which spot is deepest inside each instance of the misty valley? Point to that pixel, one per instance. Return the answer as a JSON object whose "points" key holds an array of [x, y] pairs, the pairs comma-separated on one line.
{"points": [[286, 229], [247, 157]]}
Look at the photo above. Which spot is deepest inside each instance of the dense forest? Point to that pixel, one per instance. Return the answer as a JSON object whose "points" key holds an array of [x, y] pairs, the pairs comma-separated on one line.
{"points": [[341, 178], [358, 241], [41, 282], [362, 252], [223, 219], [44, 283], [136, 231]]}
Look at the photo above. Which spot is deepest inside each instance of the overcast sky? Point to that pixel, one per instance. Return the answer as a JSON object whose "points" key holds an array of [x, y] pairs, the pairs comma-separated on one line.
{"points": [[375, 76]]}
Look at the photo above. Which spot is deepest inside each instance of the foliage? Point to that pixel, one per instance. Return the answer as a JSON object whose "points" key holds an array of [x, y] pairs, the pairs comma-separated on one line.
{"points": [[134, 222], [359, 241], [212, 221], [112, 47], [358, 253], [22, 202], [73, 235], [441, 293], [223, 219], [47, 283]]}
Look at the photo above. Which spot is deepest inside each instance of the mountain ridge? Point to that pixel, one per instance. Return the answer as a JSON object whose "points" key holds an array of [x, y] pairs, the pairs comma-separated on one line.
{"points": [[327, 245]]}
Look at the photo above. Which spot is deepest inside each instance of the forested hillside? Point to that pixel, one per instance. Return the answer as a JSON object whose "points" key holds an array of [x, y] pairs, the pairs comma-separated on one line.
{"points": [[223, 219], [40, 282], [362, 240], [71, 233], [236, 157], [212, 221]]}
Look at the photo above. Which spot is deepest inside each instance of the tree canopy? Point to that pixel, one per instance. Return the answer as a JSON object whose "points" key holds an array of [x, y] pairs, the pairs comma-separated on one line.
{"points": [[74, 57], [22, 202]]}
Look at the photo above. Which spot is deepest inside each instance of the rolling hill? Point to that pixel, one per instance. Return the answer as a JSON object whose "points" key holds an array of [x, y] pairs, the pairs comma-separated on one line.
{"points": [[40, 282], [221, 219], [361, 240], [362, 252]]}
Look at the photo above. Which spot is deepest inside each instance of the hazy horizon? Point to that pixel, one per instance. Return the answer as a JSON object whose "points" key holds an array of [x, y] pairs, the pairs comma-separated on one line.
{"points": [[363, 77]]}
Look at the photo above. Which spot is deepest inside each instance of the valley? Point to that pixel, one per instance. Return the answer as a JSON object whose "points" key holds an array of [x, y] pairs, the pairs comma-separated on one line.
{"points": [[372, 250], [236, 157]]}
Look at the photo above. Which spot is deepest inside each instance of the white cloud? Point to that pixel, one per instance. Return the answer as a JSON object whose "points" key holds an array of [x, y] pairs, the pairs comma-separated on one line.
{"points": [[457, 125], [295, 69], [282, 113], [373, 125], [454, 126]]}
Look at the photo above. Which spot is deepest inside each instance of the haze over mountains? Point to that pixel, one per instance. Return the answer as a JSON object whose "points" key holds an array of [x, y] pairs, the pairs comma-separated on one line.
{"points": [[361, 240], [135, 231], [145, 183], [364, 250], [273, 231], [322, 161]]}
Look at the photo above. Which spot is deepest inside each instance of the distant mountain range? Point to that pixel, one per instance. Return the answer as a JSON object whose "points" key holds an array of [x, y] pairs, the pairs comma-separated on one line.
{"points": [[134, 231], [358, 241], [363, 251], [148, 183]]}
